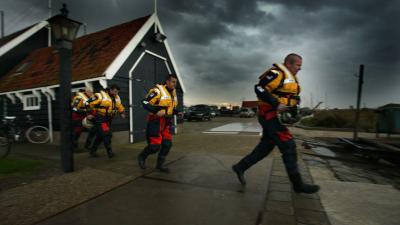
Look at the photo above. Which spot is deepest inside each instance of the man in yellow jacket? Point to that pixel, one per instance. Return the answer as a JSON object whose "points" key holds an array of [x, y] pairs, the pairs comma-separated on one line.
{"points": [[80, 110], [106, 104], [161, 103], [278, 91]]}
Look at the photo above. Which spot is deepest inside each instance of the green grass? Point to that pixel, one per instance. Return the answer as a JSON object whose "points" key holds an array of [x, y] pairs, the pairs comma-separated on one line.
{"points": [[342, 118], [12, 165]]}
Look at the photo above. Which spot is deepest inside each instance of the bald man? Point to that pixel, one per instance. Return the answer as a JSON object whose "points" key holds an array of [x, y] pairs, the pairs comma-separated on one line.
{"points": [[80, 110], [277, 91]]}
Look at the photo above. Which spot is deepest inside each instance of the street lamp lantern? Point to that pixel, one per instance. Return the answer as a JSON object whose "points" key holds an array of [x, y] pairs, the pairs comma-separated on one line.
{"points": [[63, 28]]}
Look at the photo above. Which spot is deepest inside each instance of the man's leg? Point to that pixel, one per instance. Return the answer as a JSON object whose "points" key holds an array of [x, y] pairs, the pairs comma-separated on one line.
{"points": [[107, 144], [154, 141], [165, 146], [76, 133], [264, 147], [284, 140], [107, 136], [90, 138], [97, 141], [98, 137]]}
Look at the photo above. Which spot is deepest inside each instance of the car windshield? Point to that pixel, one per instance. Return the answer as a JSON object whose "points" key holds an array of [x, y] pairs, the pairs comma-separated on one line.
{"points": [[245, 110]]}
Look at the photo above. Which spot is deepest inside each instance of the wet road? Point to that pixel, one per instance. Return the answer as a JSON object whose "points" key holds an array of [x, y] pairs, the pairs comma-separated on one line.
{"points": [[201, 190]]}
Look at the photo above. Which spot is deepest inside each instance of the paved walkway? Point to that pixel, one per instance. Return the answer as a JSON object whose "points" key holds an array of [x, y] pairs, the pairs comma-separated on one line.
{"points": [[201, 189]]}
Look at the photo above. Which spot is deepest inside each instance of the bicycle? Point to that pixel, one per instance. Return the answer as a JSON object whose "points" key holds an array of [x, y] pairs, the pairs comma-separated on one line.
{"points": [[11, 132]]}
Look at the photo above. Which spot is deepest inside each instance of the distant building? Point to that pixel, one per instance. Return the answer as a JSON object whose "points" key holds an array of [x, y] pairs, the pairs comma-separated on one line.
{"points": [[250, 104], [389, 119]]}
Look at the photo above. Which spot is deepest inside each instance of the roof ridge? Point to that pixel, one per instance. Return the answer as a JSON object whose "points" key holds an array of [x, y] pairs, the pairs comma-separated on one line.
{"points": [[115, 26]]}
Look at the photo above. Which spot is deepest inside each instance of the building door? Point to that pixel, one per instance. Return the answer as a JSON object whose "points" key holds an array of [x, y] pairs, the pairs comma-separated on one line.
{"points": [[150, 71]]}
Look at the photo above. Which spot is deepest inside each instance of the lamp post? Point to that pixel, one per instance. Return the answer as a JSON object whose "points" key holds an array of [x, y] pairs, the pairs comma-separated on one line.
{"points": [[64, 31]]}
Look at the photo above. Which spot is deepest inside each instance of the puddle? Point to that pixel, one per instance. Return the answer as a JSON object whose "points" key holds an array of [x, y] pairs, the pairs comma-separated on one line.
{"points": [[251, 127], [323, 151]]}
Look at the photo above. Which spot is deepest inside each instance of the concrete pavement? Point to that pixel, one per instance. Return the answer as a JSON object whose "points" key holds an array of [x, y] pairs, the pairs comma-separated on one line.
{"points": [[201, 189]]}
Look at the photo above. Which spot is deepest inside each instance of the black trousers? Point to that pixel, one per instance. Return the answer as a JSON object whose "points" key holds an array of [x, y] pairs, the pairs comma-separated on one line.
{"points": [[102, 128], [274, 134]]}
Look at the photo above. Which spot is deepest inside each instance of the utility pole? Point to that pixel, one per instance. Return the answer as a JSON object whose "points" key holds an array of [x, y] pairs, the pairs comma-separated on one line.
{"points": [[326, 100], [311, 100], [49, 29], [359, 92], [84, 28], [155, 13]]}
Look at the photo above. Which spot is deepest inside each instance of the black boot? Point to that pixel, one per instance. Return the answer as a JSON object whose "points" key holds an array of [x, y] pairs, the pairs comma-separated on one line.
{"points": [[240, 167], [88, 145], [110, 153], [160, 165], [142, 160], [239, 173], [300, 187]]}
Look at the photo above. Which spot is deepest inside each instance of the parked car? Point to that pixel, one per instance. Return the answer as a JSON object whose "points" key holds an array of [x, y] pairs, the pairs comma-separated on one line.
{"points": [[186, 112], [235, 110], [225, 111], [247, 112], [214, 111], [199, 112]]}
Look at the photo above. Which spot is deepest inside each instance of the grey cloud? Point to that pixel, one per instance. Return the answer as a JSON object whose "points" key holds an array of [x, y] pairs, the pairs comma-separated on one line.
{"points": [[222, 46]]}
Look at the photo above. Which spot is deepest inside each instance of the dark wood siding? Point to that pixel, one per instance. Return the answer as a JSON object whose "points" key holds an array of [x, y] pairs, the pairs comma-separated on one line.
{"points": [[39, 116], [122, 76]]}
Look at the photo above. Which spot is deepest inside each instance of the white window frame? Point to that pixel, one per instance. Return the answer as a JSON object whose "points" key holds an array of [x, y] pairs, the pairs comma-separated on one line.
{"points": [[26, 99]]}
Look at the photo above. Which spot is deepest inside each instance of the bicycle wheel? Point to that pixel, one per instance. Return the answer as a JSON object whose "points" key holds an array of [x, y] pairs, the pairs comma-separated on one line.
{"points": [[5, 144], [38, 134]]}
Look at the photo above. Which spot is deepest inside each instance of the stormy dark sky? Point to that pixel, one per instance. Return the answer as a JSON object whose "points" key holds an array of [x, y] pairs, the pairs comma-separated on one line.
{"points": [[221, 47]]}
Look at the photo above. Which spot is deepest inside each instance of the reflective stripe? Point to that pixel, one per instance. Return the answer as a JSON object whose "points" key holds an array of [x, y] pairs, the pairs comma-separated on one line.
{"points": [[167, 99], [82, 95], [289, 78], [164, 95], [105, 96]]}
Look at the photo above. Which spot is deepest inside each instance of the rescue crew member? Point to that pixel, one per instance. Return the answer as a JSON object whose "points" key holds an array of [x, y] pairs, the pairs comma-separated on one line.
{"points": [[106, 104], [80, 110], [278, 90], [161, 102]]}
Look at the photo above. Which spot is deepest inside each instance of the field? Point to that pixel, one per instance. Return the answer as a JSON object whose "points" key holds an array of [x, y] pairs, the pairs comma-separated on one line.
{"points": [[342, 118]]}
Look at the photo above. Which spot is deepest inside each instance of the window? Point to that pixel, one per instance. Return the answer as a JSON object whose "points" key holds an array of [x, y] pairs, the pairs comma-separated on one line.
{"points": [[31, 102]]}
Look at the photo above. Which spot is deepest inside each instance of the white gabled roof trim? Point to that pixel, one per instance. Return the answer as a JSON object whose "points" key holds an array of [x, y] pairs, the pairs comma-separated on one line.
{"points": [[102, 80], [22, 37], [129, 48], [11, 97], [20, 96], [103, 83], [133, 43], [49, 92]]}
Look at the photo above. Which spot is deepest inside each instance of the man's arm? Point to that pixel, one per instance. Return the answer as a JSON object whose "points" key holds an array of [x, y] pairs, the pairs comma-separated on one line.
{"points": [[151, 98], [75, 105], [94, 101], [266, 85]]}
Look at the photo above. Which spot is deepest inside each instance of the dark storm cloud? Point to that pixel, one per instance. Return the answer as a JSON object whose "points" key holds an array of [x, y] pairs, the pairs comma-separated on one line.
{"points": [[222, 46]]}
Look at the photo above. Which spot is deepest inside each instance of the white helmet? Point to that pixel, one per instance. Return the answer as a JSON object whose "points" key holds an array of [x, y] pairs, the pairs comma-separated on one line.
{"points": [[87, 123]]}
